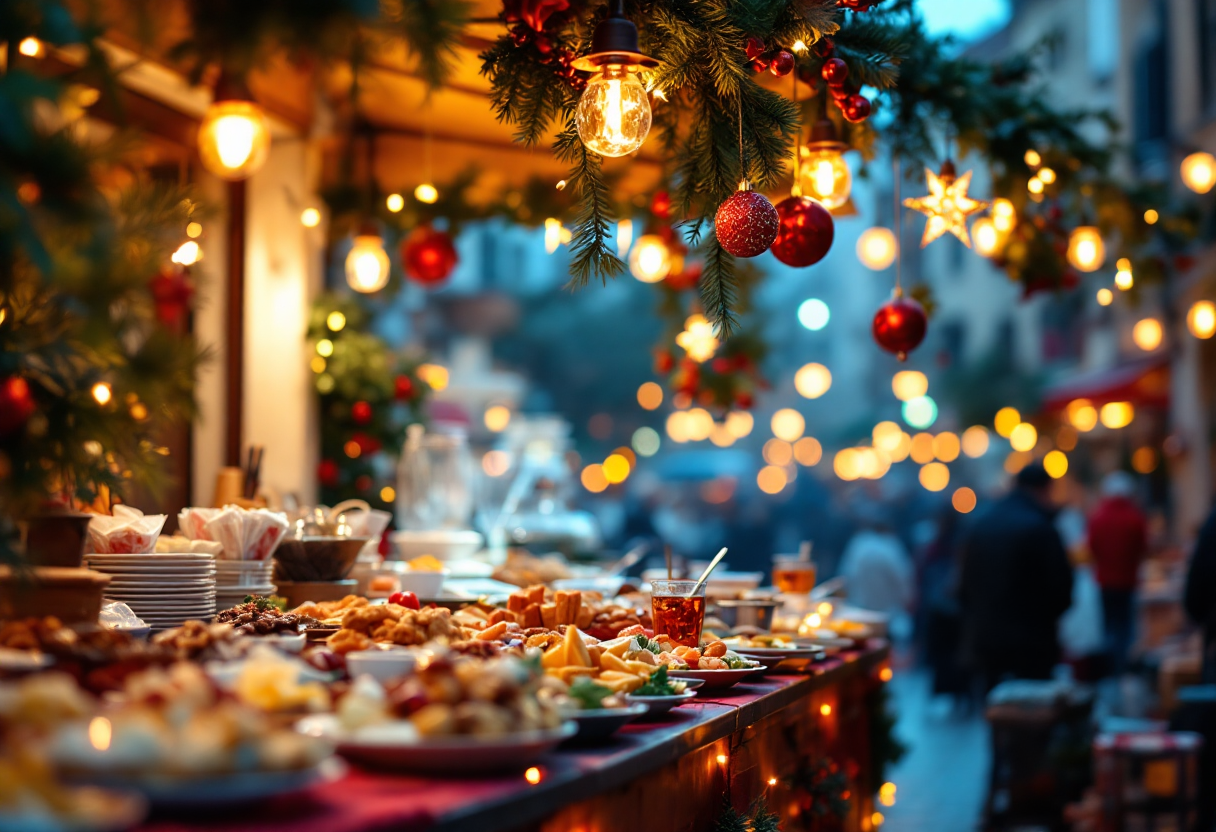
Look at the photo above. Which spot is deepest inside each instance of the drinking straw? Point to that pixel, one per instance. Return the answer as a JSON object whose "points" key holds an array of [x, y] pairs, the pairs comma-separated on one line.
{"points": [[667, 554], [705, 575], [804, 551]]}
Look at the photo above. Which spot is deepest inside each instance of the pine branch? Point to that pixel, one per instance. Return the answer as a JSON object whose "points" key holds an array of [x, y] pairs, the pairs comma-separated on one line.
{"points": [[591, 243], [719, 287], [523, 91], [432, 30]]}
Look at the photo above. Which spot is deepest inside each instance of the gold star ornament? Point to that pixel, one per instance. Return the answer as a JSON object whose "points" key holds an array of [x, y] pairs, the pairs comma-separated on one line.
{"points": [[947, 205]]}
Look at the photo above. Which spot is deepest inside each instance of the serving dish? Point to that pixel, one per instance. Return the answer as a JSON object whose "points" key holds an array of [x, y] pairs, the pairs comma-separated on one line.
{"points": [[715, 679], [659, 705], [601, 723]]}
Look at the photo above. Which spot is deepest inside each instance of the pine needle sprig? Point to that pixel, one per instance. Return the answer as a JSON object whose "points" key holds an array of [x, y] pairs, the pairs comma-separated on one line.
{"points": [[719, 287], [432, 30], [590, 247]]}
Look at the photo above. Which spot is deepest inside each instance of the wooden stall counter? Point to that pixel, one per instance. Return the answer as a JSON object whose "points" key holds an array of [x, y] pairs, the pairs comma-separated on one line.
{"points": [[678, 773]]}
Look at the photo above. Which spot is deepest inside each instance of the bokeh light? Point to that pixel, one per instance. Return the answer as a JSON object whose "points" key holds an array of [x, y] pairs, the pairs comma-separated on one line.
{"points": [[497, 417], [1082, 415], [1147, 334], [1105, 297], [495, 463], [1007, 418], [934, 476], [1023, 437], [876, 248], [593, 478], [788, 424], [616, 468], [646, 441], [975, 441], [650, 395], [920, 412], [739, 423], [814, 314], [812, 380], [946, 447], [922, 448], [1201, 319], [1117, 414], [778, 452], [1144, 460], [808, 451], [886, 435], [909, 384], [963, 500], [1055, 463], [771, 479]]}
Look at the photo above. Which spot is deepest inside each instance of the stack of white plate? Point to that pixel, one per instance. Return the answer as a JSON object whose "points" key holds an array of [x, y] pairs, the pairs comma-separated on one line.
{"points": [[234, 579], [162, 589]]}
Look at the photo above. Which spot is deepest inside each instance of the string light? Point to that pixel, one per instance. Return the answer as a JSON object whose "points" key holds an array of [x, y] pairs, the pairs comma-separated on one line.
{"points": [[234, 135], [1199, 172], [310, 217], [987, 237], [650, 260], [1105, 297], [1201, 319], [876, 248], [194, 230], [1147, 334], [721, 759], [426, 193], [102, 393], [975, 441], [335, 321], [824, 174], [1151, 216], [1032, 158], [909, 384], [1055, 463], [367, 265], [698, 339], [394, 202], [1007, 418], [1023, 437], [187, 254], [825, 709], [30, 47], [1117, 415], [1004, 216], [788, 424], [1086, 251], [812, 380], [1081, 415], [533, 775]]}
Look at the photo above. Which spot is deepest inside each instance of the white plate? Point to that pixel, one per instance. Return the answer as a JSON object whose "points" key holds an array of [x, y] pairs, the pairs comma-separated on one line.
{"points": [[170, 587], [229, 789], [193, 599], [440, 755], [114, 569], [151, 560], [714, 679], [258, 589]]}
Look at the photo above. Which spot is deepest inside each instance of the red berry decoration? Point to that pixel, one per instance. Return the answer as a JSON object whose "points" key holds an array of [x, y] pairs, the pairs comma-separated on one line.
{"points": [[746, 224], [782, 64], [327, 472], [429, 256], [720, 365], [759, 65], [834, 71], [403, 388], [744, 400], [755, 48], [899, 325], [856, 108], [361, 412], [16, 404], [839, 93], [660, 205], [806, 231]]}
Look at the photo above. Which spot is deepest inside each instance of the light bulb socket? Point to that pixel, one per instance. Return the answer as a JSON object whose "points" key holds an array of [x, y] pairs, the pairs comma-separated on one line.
{"points": [[948, 173], [230, 86], [825, 136], [615, 42], [367, 228]]}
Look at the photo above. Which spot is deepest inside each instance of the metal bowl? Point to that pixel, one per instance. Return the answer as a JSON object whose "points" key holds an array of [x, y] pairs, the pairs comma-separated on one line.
{"points": [[318, 558], [754, 613]]}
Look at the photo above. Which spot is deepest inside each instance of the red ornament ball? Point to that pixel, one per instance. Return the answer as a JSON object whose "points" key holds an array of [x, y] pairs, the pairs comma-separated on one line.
{"points": [[172, 292], [660, 205], [834, 71], [782, 64], [746, 224], [327, 472], [755, 48], [806, 231], [403, 388], [429, 256], [361, 412], [899, 326], [16, 404], [856, 108]]}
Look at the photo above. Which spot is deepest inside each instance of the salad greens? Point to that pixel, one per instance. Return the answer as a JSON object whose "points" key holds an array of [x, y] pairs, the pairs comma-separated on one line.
{"points": [[590, 695], [658, 685]]}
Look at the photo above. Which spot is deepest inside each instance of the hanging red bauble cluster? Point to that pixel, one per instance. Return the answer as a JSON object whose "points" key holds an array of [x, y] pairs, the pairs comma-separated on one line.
{"points": [[806, 231], [429, 256], [16, 404], [854, 106], [746, 223], [899, 325], [527, 20], [777, 61]]}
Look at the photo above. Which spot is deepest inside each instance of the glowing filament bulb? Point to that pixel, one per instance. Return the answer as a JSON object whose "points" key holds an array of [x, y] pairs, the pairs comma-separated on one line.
{"points": [[233, 139], [367, 264], [613, 115], [825, 175]]}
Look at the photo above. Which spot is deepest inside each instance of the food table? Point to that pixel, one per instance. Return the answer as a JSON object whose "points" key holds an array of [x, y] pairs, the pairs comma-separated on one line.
{"points": [[674, 772]]}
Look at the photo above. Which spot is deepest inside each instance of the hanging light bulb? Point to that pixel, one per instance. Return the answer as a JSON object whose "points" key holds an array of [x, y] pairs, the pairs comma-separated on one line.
{"points": [[1199, 172], [234, 136], [367, 264], [987, 237], [1004, 216], [1086, 251], [650, 260], [613, 114], [824, 174]]}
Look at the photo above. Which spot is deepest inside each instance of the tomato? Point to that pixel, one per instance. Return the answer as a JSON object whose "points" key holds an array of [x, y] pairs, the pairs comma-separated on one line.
{"points": [[405, 599]]}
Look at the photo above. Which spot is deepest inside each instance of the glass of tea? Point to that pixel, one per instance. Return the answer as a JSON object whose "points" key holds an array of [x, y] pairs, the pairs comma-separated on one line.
{"points": [[676, 613], [792, 574]]}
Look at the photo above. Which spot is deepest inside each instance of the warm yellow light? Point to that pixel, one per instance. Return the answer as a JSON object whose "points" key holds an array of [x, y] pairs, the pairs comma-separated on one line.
{"points": [[1004, 215], [975, 441], [1007, 418], [721, 437], [1047, 175], [1147, 334], [886, 436], [352, 449], [1199, 172], [233, 139], [909, 384], [317, 364], [187, 254], [1123, 264], [1151, 216], [699, 424], [426, 192], [593, 478], [102, 393], [532, 775], [1117, 414], [698, 339], [825, 175], [310, 217], [922, 448], [1081, 415], [650, 395], [935, 476], [677, 426], [30, 47], [987, 237], [772, 781], [1144, 460], [616, 468], [964, 500], [846, 464], [325, 348], [1105, 297], [771, 479], [388, 494], [624, 236], [1023, 437], [497, 417], [946, 447], [739, 423], [777, 452], [1032, 158], [1035, 186], [1086, 251], [495, 463], [556, 234], [825, 709], [812, 380], [100, 733], [876, 248], [435, 375], [613, 114], [788, 424], [367, 264], [650, 260], [394, 202], [721, 759], [877, 819], [808, 451], [1055, 463], [799, 47], [886, 674], [335, 321], [1201, 319], [194, 230]]}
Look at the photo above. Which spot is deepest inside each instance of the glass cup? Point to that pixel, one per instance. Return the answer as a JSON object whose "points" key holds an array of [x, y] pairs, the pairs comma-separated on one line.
{"points": [[678, 615], [792, 575]]}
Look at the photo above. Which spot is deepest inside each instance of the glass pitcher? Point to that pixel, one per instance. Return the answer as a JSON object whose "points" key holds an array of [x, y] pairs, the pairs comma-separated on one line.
{"points": [[435, 480]]}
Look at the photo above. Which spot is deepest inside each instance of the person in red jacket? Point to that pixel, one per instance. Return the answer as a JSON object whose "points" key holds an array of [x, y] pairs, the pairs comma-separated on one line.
{"points": [[1118, 541]]}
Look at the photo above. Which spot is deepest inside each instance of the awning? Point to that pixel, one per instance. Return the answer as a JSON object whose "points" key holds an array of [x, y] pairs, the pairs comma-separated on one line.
{"points": [[1144, 382]]}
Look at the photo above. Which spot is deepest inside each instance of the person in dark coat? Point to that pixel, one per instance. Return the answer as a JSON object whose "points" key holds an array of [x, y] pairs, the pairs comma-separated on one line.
{"points": [[1015, 583], [1200, 596]]}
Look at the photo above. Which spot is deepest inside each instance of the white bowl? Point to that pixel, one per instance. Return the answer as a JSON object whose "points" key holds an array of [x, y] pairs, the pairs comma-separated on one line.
{"points": [[609, 587], [383, 665], [443, 544]]}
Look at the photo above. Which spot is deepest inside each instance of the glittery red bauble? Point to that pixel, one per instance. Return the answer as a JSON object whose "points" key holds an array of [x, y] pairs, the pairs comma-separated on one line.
{"points": [[327, 472], [834, 71], [856, 108], [899, 326], [403, 388], [361, 412], [429, 256], [746, 224], [660, 205], [806, 231], [782, 63], [16, 404]]}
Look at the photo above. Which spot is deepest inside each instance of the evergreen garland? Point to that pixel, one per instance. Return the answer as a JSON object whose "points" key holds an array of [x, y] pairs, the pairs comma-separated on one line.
{"points": [[885, 748], [758, 818]]}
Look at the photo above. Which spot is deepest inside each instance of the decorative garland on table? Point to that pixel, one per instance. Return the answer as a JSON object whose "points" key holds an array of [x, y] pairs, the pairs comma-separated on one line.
{"points": [[757, 819], [821, 787], [885, 748]]}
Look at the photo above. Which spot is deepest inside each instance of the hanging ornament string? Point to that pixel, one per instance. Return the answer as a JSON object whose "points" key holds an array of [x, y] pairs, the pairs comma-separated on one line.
{"points": [[743, 184], [796, 190], [899, 227], [746, 224]]}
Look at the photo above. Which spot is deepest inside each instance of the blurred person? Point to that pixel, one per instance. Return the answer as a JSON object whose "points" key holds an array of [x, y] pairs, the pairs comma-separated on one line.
{"points": [[938, 616], [1200, 595], [1118, 542], [878, 572], [1015, 583]]}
